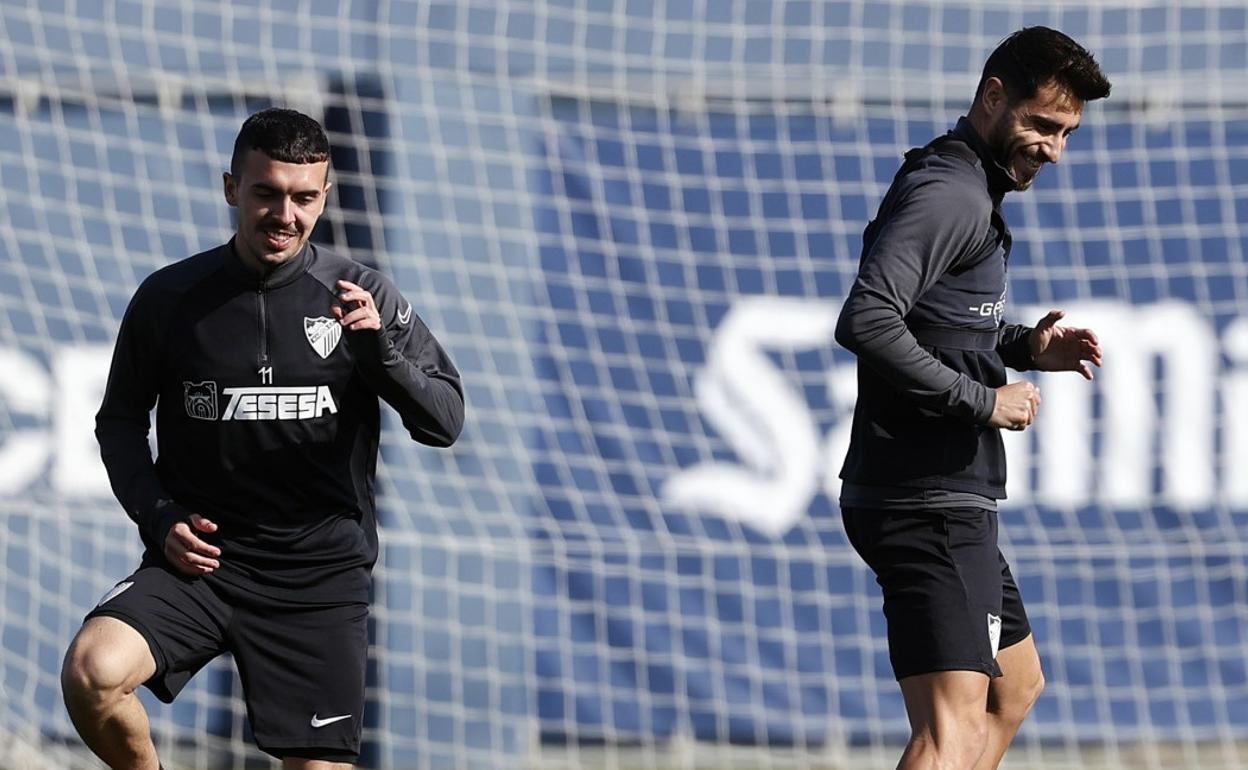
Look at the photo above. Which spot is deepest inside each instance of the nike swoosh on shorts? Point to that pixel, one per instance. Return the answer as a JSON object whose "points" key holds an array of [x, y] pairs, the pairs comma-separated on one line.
{"points": [[316, 722]]}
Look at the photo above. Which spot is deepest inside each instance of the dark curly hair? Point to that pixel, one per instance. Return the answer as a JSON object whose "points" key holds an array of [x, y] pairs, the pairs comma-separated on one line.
{"points": [[285, 135], [1034, 56]]}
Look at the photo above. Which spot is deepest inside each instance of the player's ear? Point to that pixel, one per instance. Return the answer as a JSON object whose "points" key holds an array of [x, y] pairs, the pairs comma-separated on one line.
{"points": [[230, 187], [328, 184], [993, 99]]}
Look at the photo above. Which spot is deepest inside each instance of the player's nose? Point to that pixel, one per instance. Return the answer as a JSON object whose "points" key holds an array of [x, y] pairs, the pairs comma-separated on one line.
{"points": [[285, 211], [1052, 149]]}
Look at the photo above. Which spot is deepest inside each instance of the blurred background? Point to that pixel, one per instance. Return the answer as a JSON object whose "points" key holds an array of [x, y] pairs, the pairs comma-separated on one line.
{"points": [[632, 224]]}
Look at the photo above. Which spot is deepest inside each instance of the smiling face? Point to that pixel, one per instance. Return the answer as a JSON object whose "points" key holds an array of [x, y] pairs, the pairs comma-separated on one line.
{"points": [[1025, 135], [278, 205]]}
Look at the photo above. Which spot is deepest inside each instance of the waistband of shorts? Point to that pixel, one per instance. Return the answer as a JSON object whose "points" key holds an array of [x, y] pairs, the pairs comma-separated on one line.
{"points": [[886, 498]]}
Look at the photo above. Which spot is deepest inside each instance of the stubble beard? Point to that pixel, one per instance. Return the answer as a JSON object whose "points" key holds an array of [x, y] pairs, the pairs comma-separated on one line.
{"points": [[1007, 158]]}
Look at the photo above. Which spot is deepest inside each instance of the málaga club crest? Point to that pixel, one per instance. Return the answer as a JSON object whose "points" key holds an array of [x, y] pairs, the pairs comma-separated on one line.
{"points": [[323, 334]]}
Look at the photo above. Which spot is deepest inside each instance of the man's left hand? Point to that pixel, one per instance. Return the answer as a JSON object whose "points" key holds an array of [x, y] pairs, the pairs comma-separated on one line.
{"points": [[1064, 348], [358, 310]]}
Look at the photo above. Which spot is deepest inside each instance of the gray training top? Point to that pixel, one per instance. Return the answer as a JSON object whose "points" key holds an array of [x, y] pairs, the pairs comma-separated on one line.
{"points": [[924, 319]]}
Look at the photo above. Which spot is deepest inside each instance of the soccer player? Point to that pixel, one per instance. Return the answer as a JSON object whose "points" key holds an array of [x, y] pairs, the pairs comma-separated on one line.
{"points": [[265, 359], [925, 465]]}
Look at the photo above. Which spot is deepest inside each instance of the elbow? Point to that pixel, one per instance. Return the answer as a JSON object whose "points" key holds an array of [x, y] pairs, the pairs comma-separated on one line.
{"points": [[441, 438], [445, 430], [447, 436], [846, 334], [455, 424], [104, 425], [435, 440]]}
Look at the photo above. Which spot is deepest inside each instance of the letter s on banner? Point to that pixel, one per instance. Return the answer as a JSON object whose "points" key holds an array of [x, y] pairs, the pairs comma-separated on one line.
{"points": [[760, 415]]}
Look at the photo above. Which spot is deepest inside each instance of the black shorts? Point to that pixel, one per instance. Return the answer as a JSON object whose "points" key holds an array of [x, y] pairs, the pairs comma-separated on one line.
{"points": [[949, 598], [302, 666]]}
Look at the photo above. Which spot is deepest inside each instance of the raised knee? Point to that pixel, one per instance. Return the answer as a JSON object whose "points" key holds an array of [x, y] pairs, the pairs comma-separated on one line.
{"points": [[94, 672]]}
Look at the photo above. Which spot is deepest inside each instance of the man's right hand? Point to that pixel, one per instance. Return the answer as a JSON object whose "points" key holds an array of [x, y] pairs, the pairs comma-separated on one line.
{"points": [[186, 553], [1016, 407]]}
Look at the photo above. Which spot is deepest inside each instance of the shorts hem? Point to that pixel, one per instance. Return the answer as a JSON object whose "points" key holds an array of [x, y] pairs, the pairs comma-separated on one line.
{"points": [[335, 752], [988, 669], [1014, 639]]}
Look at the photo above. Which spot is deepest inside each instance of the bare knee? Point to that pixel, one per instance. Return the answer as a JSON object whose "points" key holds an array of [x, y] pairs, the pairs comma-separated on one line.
{"points": [[968, 735], [104, 663], [1012, 695], [955, 744], [1034, 690], [948, 722], [1017, 699], [1014, 701], [92, 672]]}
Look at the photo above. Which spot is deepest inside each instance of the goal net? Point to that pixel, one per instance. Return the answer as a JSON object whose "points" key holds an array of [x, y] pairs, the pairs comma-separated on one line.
{"points": [[632, 224]]}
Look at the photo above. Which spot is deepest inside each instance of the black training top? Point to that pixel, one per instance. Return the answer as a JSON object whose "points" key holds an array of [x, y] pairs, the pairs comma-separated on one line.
{"points": [[924, 319], [267, 420]]}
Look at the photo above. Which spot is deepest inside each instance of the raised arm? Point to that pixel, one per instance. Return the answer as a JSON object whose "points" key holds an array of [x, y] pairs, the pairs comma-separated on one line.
{"points": [[402, 361]]}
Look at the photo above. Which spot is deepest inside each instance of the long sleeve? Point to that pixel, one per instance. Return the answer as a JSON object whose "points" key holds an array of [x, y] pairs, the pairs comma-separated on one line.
{"points": [[1014, 346], [407, 367], [123, 422], [921, 238]]}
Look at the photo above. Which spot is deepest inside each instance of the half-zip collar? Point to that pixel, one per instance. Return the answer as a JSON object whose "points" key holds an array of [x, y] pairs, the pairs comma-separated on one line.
{"points": [[283, 274]]}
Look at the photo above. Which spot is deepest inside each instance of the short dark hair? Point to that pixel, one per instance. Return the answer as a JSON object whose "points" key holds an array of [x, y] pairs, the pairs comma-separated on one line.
{"points": [[1034, 56], [282, 134]]}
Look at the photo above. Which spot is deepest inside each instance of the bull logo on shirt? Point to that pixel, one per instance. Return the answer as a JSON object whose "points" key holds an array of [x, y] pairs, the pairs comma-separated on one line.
{"points": [[323, 334], [200, 399]]}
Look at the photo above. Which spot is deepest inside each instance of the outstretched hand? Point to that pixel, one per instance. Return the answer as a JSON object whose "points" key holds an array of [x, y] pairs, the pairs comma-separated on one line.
{"points": [[1064, 348]]}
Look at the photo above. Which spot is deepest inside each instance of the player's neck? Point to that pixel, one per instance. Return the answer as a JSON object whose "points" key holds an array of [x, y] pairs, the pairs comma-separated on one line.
{"points": [[261, 270], [981, 123]]}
